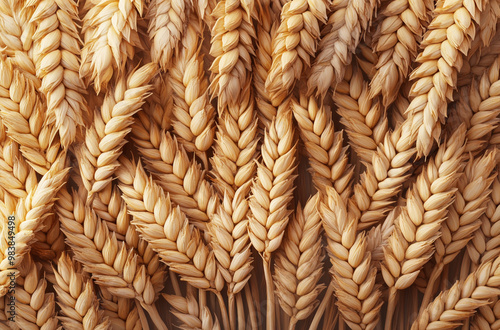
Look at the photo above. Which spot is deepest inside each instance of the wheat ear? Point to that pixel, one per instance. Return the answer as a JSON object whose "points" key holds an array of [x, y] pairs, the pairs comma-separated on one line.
{"points": [[328, 158], [353, 271], [181, 177], [436, 76], [190, 313], [418, 226], [299, 264], [461, 301], [26, 125], [107, 259], [110, 35], [34, 305], [232, 48], [361, 115], [193, 112], [397, 38], [30, 213], [56, 51], [76, 297], [121, 312], [98, 155], [166, 26], [464, 215], [294, 44], [167, 230]]}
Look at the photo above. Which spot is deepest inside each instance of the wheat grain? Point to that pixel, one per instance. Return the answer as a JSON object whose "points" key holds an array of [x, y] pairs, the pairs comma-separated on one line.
{"points": [[353, 272], [56, 50], [436, 76], [232, 48], [398, 35], [328, 158], [49, 241], [22, 114], [294, 44], [104, 140], [299, 264], [101, 254], [159, 105], [193, 112], [461, 301], [76, 297], [121, 312], [35, 307], [418, 226], [166, 27], [110, 35]]}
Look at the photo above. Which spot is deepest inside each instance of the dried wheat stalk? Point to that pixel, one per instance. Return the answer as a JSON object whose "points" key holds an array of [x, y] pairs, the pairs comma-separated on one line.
{"points": [[353, 271], [98, 155], [418, 226], [110, 36], [436, 76], [109, 261], [22, 113], [56, 50], [299, 264], [193, 112], [294, 44], [328, 158], [76, 297]]}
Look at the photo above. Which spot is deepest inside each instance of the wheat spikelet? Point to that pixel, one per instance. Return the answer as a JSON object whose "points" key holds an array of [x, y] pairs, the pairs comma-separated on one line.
{"points": [[398, 35], [181, 177], [418, 226], [159, 105], [266, 28], [166, 27], [121, 312], [236, 145], [487, 317], [441, 59], [353, 270], [294, 44], [232, 48], [362, 116], [76, 297], [56, 50], [461, 301], [110, 35], [328, 158], [382, 181], [193, 112], [102, 255], [190, 313], [30, 213], [49, 241], [22, 114], [35, 307], [98, 155], [299, 263]]}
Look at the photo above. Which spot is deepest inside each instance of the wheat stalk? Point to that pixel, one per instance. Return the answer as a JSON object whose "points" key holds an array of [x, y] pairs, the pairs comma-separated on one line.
{"points": [[26, 125], [110, 36], [76, 297], [353, 271], [101, 254], [418, 226], [232, 48], [461, 301], [166, 26], [56, 51], [328, 158], [436, 75], [193, 112], [34, 305], [299, 264], [294, 44], [98, 155]]}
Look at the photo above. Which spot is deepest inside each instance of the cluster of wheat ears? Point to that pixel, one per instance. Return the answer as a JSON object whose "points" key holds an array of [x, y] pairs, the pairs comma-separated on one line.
{"points": [[249, 164]]}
